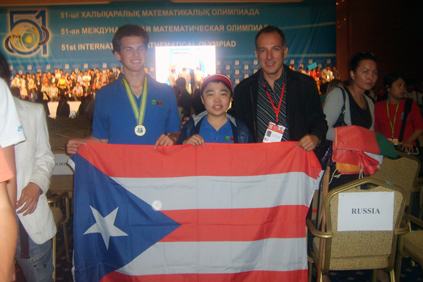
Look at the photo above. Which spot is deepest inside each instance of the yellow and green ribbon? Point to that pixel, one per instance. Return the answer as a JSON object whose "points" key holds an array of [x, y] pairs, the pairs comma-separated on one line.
{"points": [[139, 114], [392, 124]]}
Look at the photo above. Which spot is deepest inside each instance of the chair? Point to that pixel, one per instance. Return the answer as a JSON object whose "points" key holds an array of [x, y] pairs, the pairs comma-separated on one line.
{"points": [[410, 245], [403, 172], [355, 250], [57, 204]]}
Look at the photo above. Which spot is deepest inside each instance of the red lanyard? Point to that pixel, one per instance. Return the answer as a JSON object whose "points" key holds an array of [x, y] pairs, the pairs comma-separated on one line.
{"points": [[271, 101]]}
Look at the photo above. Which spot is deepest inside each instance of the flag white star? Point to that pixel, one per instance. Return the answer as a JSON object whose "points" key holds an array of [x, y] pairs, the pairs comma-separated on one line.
{"points": [[105, 226]]}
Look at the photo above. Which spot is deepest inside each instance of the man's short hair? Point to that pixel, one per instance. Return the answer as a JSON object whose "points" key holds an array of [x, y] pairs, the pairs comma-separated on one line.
{"points": [[271, 29], [126, 31]]}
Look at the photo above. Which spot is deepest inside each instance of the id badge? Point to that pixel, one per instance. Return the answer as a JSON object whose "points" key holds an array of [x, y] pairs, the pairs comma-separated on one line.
{"points": [[274, 133], [394, 141]]}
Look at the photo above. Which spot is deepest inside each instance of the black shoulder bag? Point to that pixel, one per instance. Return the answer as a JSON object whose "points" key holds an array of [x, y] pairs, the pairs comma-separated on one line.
{"points": [[324, 151]]}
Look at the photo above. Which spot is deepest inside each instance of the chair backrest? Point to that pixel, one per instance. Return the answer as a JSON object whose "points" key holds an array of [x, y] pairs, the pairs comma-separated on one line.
{"points": [[402, 171], [361, 249]]}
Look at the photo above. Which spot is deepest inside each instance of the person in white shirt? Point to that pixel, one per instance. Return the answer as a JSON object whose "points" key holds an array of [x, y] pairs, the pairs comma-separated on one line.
{"points": [[16, 82], [53, 92], [34, 166], [86, 79], [327, 75]]}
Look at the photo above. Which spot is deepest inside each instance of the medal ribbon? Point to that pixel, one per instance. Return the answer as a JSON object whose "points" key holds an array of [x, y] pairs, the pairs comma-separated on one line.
{"points": [[280, 101], [389, 117], [139, 114]]}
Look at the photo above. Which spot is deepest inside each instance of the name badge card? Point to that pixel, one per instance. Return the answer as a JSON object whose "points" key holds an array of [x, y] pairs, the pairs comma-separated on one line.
{"points": [[61, 166], [372, 211], [394, 141], [274, 133]]}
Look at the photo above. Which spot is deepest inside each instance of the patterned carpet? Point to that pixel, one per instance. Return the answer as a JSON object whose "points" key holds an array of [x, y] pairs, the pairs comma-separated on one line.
{"points": [[408, 274]]}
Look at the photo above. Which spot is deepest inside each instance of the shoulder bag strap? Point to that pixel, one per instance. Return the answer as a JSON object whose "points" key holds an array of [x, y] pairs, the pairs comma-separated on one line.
{"points": [[341, 121], [407, 109]]}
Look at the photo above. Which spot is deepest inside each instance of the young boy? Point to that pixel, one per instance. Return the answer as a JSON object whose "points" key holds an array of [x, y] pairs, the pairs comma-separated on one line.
{"points": [[214, 125]]}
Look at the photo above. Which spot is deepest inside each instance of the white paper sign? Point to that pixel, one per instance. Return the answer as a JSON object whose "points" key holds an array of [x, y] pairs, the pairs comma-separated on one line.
{"points": [[61, 167], [372, 211]]}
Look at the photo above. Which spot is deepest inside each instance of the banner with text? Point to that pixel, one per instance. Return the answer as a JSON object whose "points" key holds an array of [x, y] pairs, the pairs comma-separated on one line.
{"points": [[79, 36]]}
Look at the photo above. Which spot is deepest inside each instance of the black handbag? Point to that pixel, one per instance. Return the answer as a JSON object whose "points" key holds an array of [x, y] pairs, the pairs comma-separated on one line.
{"points": [[324, 150]]}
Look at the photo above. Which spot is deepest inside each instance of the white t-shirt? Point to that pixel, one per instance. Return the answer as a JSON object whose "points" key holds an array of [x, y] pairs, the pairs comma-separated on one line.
{"points": [[11, 131]]}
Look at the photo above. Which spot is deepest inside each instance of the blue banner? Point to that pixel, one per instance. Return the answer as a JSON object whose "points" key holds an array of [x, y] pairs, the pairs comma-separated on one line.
{"points": [[79, 36]]}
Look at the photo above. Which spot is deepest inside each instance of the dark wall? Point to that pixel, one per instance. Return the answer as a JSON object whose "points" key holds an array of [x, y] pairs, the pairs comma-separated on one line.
{"points": [[391, 29]]}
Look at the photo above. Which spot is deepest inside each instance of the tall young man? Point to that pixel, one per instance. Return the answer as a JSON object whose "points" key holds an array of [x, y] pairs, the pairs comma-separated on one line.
{"points": [[135, 109]]}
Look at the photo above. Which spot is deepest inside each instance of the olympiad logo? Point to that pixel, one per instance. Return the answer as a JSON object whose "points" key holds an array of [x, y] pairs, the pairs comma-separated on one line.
{"points": [[28, 33]]}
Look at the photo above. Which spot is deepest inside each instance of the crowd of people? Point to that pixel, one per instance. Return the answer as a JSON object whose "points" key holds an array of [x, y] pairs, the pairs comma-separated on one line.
{"points": [[275, 104], [53, 86]]}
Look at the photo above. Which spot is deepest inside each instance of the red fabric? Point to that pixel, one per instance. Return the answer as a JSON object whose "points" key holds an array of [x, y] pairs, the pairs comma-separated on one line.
{"points": [[383, 126], [350, 144]]}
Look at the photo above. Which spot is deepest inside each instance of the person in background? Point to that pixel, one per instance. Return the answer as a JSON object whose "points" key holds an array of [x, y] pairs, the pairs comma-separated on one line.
{"points": [[327, 75], [31, 87], [185, 75], [172, 78], [318, 74], [196, 103], [16, 82], [215, 125], [359, 111], [63, 108], [24, 87], [313, 74], [412, 93], [390, 114], [118, 72], [359, 108], [53, 92], [335, 73], [184, 99], [110, 76], [199, 76], [77, 92]]}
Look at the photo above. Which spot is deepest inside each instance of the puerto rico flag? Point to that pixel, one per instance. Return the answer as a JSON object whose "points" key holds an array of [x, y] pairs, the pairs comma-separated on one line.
{"points": [[217, 212]]}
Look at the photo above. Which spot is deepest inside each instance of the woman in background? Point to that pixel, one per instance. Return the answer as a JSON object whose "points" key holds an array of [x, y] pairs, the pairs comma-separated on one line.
{"points": [[24, 91], [389, 114], [359, 109]]}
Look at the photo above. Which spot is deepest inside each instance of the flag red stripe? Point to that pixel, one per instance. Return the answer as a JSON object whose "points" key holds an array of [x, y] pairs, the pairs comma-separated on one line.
{"points": [[356, 138], [211, 160], [237, 224], [250, 276]]}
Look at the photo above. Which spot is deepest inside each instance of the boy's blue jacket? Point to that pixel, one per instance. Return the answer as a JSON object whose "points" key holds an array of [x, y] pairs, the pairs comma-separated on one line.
{"points": [[239, 129]]}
